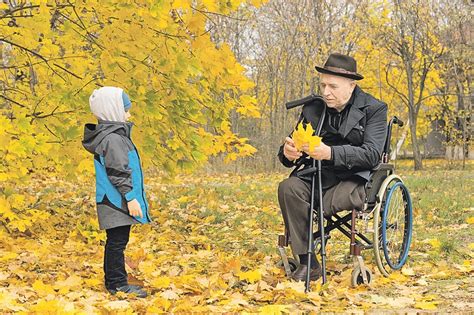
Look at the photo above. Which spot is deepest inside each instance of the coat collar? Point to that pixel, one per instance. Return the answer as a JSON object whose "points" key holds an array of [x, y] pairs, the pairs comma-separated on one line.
{"points": [[355, 113], [123, 128]]}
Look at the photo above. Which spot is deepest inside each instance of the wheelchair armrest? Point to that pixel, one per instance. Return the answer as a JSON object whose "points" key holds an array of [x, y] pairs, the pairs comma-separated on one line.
{"points": [[382, 167], [377, 176], [307, 171]]}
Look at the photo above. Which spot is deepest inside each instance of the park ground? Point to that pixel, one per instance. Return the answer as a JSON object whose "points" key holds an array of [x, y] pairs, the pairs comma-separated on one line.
{"points": [[212, 249]]}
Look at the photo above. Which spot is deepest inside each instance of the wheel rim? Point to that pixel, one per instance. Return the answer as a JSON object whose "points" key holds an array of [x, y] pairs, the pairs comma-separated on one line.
{"points": [[397, 222], [378, 214]]}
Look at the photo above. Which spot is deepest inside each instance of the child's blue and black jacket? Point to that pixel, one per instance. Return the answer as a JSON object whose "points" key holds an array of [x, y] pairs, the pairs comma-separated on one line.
{"points": [[119, 176]]}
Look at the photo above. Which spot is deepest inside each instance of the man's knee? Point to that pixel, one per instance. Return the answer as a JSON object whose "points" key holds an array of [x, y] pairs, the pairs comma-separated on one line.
{"points": [[290, 186]]}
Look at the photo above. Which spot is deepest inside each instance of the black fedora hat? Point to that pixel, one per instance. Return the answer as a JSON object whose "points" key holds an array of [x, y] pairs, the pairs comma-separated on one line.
{"points": [[340, 65]]}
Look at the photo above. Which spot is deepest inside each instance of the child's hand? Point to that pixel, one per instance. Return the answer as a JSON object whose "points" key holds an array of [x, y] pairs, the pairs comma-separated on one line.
{"points": [[134, 208]]}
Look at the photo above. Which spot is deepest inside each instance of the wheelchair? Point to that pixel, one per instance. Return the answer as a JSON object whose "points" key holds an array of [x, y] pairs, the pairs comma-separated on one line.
{"points": [[387, 204]]}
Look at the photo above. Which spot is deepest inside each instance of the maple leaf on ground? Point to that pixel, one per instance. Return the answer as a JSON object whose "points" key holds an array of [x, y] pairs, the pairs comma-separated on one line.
{"points": [[250, 276], [426, 305], [273, 309]]}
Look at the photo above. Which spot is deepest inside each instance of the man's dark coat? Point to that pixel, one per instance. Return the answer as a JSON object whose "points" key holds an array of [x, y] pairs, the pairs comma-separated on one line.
{"points": [[356, 146]]}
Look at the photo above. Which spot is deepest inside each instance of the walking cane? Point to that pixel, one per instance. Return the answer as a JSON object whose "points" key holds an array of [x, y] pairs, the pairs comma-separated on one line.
{"points": [[313, 170]]}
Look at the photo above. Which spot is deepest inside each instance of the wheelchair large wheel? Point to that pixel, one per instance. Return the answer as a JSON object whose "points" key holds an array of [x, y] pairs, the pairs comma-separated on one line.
{"points": [[393, 224]]}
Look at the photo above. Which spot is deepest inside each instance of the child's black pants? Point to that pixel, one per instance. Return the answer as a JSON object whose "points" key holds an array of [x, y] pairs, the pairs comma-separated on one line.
{"points": [[114, 259]]}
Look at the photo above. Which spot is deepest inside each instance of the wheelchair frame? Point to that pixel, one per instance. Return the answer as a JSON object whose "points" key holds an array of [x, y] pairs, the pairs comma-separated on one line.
{"points": [[382, 184]]}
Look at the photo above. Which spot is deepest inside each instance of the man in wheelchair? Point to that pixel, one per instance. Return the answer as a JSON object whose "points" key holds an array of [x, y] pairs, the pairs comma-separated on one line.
{"points": [[353, 136]]}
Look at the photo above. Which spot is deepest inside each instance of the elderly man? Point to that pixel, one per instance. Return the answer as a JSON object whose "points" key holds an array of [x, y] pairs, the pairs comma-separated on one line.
{"points": [[353, 136]]}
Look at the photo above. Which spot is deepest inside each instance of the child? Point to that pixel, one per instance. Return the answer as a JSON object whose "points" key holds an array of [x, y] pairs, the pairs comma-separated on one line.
{"points": [[120, 194]]}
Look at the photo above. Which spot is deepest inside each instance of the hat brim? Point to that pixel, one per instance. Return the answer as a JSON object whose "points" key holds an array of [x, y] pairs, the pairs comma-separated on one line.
{"points": [[354, 76]]}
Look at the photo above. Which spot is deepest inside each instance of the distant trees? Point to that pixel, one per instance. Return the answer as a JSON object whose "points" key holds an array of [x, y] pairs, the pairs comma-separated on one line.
{"points": [[414, 55]]}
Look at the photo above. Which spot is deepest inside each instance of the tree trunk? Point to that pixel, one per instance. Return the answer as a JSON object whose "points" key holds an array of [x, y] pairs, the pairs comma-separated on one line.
{"points": [[414, 140], [412, 112]]}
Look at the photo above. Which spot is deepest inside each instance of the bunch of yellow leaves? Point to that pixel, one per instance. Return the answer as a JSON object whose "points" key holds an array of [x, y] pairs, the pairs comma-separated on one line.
{"points": [[304, 136]]}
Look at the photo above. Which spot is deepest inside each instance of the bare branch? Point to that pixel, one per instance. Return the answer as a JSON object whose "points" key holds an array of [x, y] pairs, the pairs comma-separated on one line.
{"points": [[394, 88], [205, 13], [9, 13], [66, 70], [10, 100], [34, 54]]}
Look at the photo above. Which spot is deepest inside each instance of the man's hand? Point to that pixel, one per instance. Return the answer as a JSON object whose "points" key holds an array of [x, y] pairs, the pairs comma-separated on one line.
{"points": [[134, 208], [289, 150], [321, 152]]}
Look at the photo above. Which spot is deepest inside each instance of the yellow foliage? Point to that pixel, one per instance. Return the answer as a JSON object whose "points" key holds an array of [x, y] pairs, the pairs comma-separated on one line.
{"points": [[180, 85]]}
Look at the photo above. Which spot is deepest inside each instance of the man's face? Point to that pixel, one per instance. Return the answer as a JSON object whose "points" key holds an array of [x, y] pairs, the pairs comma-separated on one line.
{"points": [[336, 90]]}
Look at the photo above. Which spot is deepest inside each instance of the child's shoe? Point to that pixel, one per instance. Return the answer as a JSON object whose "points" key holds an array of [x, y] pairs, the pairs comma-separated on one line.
{"points": [[130, 289]]}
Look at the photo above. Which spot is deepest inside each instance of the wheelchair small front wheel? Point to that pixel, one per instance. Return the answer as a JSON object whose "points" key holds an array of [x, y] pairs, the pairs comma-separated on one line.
{"points": [[293, 264], [291, 261], [357, 277], [393, 225]]}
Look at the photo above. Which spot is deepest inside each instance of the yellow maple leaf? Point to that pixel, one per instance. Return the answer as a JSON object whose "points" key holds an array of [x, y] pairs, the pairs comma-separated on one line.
{"points": [[41, 288], [161, 282], [46, 307], [69, 284], [426, 305], [435, 243], [158, 305], [233, 264], [251, 276], [304, 136], [92, 282], [470, 220], [399, 277], [117, 305], [4, 205], [273, 309]]}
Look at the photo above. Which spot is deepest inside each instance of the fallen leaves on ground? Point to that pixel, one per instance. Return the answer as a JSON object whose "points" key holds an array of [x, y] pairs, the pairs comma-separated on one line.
{"points": [[212, 249]]}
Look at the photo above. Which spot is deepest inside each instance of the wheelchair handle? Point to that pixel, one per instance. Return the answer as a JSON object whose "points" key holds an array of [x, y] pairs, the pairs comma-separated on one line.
{"points": [[397, 121], [386, 150], [303, 101]]}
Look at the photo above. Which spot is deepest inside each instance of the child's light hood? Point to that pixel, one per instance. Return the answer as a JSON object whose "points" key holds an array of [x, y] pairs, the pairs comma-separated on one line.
{"points": [[107, 104]]}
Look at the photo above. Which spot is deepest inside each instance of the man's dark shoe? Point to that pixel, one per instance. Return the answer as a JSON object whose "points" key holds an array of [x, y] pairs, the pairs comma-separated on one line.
{"points": [[130, 289], [300, 273]]}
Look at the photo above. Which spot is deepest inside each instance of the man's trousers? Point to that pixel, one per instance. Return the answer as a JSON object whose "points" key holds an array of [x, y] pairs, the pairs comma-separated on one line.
{"points": [[294, 196]]}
